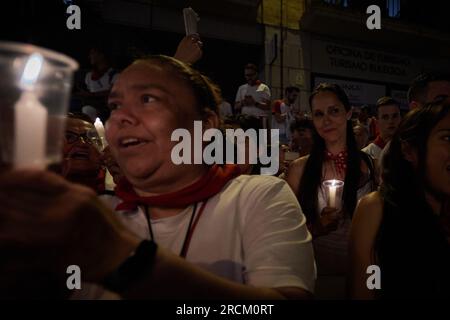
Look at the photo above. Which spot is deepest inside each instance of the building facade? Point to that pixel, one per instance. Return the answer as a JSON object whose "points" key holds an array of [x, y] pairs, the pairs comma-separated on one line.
{"points": [[331, 43]]}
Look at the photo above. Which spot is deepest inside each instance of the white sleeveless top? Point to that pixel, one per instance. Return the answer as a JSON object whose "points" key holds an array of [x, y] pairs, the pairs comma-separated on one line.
{"points": [[331, 250], [331, 253]]}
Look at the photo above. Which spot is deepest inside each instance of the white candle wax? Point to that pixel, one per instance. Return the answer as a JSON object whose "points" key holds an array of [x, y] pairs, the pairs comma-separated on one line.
{"points": [[332, 196], [30, 129], [101, 132]]}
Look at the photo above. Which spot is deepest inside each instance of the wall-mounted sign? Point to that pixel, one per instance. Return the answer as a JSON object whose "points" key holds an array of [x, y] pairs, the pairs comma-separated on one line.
{"points": [[355, 62]]}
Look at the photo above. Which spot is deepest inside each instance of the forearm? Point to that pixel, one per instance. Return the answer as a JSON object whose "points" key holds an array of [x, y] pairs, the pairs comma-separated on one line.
{"points": [[173, 277]]}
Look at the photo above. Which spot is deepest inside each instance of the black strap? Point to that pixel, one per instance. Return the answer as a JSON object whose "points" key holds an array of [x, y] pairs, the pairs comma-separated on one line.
{"points": [[150, 229], [133, 269], [371, 166]]}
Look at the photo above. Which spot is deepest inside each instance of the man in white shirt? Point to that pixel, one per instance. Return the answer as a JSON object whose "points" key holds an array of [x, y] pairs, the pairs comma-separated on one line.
{"points": [[425, 88], [388, 116], [97, 83], [253, 98], [225, 109], [283, 113]]}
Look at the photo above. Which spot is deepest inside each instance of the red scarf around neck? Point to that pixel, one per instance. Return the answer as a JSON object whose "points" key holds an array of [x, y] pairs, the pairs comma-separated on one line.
{"points": [[379, 142], [209, 185], [340, 161]]}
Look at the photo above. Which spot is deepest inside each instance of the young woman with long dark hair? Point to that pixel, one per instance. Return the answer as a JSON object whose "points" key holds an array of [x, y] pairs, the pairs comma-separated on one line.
{"points": [[334, 155], [405, 227]]}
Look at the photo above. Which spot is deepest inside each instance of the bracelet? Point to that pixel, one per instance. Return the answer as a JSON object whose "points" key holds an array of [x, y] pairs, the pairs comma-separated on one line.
{"points": [[133, 269]]}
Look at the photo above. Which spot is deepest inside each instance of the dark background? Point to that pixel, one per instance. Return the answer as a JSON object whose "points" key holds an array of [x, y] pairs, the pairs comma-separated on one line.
{"points": [[43, 23]]}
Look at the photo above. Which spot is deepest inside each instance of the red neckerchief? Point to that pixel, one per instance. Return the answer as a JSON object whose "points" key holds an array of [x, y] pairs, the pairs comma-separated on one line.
{"points": [[209, 185], [379, 142], [340, 161]]}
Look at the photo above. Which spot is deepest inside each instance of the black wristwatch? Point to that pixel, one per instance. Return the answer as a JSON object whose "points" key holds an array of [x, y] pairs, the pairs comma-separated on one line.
{"points": [[135, 268]]}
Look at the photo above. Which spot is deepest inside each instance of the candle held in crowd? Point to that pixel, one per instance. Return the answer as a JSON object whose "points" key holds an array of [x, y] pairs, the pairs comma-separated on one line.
{"points": [[101, 131], [30, 120], [333, 189]]}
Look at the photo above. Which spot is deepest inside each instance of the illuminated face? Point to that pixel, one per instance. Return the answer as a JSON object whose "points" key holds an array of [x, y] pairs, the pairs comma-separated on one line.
{"points": [[149, 103], [112, 165], [302, 138], [329, 117], [438, 157], [81, 147], [250, 75], [292, 96], [388, 120]]}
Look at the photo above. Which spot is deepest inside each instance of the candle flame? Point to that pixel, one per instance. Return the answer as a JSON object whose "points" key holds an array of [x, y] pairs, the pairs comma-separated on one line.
{"points": [[32, 70]]}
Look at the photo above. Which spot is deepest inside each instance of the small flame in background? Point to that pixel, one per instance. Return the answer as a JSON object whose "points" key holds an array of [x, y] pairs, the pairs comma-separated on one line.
{"points": [[31, 71]]}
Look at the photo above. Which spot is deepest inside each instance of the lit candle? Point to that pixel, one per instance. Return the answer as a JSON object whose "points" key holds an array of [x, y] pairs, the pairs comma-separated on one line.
{"points": [[101, 132], [30, 120], [332, 195]]}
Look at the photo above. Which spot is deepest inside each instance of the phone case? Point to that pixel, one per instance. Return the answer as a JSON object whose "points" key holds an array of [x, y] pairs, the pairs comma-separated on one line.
{"points": [[190, 21]]}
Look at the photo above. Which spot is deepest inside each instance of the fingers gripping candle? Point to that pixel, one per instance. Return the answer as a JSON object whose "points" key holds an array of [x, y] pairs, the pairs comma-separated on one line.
{"points": [[30, 121]]}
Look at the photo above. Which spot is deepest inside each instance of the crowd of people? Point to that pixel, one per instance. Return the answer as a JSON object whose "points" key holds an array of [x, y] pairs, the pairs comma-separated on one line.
{"points": [[224, 231]]}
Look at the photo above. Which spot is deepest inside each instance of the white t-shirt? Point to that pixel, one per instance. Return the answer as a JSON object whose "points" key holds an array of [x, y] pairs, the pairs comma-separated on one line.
{"points": [[252, 232], [260, 93], [103, 84], [373, 150], [225, 109], [284, 126], [331, 253]]}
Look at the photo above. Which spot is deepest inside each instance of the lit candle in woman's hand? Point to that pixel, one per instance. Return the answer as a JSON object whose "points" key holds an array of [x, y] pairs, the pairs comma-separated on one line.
{"points": [[30, 120], [333, 191], [332, 197]]}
